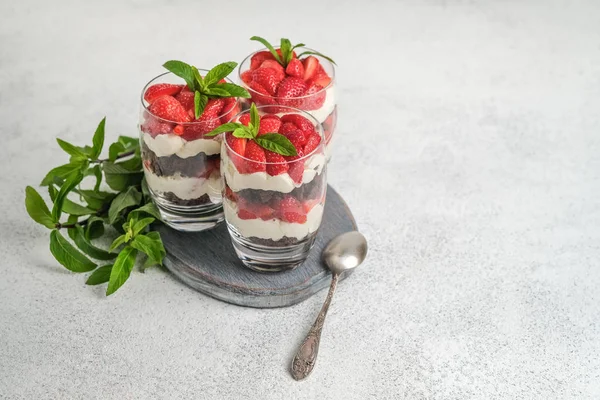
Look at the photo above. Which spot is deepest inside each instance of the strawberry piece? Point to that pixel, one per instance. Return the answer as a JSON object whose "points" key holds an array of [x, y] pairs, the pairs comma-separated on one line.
{"points": [[255, 153], [230, 109], [294, 55], [309, 204], [154, 127], [262, 211], [312, 142], [297, 138], [238, 150], [161, 89], [295, 68], [296, 166], [320, 77], [287, 127], [266, 77], [301, 122], [257, 59], [245, 214], [186, 98], [178, 130], [230, 194], [213, 107], [269, 124], [290, 210], [314, 97], [260, 95], [311, 65], [279, 71], [246, 76], [244, 119], [168, 108], [289, 89], [278, 166]]}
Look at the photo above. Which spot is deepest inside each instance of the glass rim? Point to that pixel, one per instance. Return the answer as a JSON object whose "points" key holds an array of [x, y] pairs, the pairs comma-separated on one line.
{"points": [[293, 110], [190, 123], [247, 59]]}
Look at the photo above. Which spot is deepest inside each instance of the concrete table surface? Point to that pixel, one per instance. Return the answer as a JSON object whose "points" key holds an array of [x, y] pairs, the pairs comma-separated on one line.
{"points": [[468, 148]]}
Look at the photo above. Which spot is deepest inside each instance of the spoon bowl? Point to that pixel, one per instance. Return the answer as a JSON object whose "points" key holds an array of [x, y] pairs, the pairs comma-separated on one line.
{"points": [[345, 252]]}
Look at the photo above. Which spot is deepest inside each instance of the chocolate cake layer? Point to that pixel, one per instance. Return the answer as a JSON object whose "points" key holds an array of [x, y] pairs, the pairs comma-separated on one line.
{"points": [[170, 196], [283, 242], [171, 165], [311, 190]]}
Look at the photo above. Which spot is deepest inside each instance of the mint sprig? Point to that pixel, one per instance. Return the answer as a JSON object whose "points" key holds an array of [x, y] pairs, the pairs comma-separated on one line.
{"points": [[287, 50], [128, 209], [272, 141], [208, 87]]}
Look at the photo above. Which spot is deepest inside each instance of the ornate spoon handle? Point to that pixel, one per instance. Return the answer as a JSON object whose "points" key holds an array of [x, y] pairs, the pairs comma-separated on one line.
{"points": [[306, 357]]}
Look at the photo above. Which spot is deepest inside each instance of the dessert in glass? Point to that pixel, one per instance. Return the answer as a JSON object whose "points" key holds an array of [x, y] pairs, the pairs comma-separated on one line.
{"points": [[274, 173], [181, 164], [293, 76]]}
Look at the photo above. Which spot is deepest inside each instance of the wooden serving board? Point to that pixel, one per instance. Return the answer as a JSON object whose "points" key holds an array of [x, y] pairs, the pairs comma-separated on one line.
{"points": [[207, 262]]}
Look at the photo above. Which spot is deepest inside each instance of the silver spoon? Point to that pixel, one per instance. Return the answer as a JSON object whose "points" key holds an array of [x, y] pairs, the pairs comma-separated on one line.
{"points": [[343, 253]]}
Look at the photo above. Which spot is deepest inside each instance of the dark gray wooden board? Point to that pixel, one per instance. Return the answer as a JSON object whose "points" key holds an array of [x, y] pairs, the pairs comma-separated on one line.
{"points": [[206, 261]]}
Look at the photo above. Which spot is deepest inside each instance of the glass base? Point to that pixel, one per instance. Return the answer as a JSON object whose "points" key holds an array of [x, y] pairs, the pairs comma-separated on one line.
{"points": [[266, 258], [189, 218]]}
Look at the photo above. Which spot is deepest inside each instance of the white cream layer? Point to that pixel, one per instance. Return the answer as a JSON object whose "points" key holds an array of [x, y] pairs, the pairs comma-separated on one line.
{"points": [[283, 183], [186, 188], [272, 229], [169, 144]]}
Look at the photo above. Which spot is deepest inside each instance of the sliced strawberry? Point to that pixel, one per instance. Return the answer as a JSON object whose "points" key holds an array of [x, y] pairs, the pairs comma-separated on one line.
{"points": [[277, 164], [320, 77], [230, 109], [312, 142], [168, 108], [290, 210], [262, 211], [311, 65], [259, 57], [178, 130], [295, 68], [246, 76], [154, 127], [309, 204], [287, 127], [245, 119], [245, 214], [297, 138], [266, 77], [260, 95], [301, 122], [279, 71], [255, 153], [288, 91], [238, 150], [161, 89], [314, 97], [213, 107], [186, 98], [230, 194], [269, 124], [296, 166]]}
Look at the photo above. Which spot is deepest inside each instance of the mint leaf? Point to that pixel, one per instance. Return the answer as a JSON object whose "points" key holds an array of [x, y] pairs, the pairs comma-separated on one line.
{"points": [[254, 119], [62, 172], [88, 248], [94, 228], [216, 91], [71, 149], [233, 90], [219, 72], [96, 199], [200, 101], [149, 209], [98, 140], [149, 246], [72, 208], [120, 178], [276, 143], [37, 208], [131, 197], [101, 275], [121, 269], [243, 133], [125, 144], [97, 172], [286, 51], [316, 53], [228, 127], [182, 70], [72, 220], [117, 242], [72, 181], [200, 84], [67, 255], [138, 226], [268, 46]]}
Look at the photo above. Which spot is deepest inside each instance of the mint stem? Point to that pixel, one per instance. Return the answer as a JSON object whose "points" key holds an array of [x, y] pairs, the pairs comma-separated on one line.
{"points": [[121, 155]]}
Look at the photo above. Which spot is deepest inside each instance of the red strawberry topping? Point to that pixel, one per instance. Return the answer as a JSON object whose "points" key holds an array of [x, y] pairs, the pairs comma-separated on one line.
{"points": [[259, 57], [290, 210], [168, 108], [279, 165], [246, 76], [290, 88], [295, 68], [245, 119], [255, 153], [314, 97], [161, 89], [260, 95], [287, 127], [311, 65], [297, 138], [186, 98], [230, 109], [269, 124], [296, 167], [312, 142], [266, 77], [279, 71], [301, 122]]}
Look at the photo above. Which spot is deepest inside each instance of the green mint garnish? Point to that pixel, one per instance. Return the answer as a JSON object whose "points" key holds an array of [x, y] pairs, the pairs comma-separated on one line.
{"points": [[209, 86], [287, 50], [129, 210], [272, 141]]}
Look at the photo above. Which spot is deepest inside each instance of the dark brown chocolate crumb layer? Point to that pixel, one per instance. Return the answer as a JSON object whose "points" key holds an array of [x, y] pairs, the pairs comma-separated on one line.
{"points": [[283, 242], [171, 165], [187, 202], [311, 190]]}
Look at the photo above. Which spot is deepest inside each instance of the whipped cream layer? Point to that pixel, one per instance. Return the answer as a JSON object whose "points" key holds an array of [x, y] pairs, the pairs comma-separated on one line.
{"points": [[186, 188], [283, 183], [273, 229], [169, 144]]}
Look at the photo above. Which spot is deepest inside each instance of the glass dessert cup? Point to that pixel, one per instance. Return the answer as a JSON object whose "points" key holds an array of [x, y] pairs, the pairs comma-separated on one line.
{"points": [[273, 210], [319, 101], [181, 166]]}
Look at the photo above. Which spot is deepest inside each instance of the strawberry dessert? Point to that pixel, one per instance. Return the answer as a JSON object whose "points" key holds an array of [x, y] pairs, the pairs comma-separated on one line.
{"points": [[273, 168], [181, 164], [293, 76]]}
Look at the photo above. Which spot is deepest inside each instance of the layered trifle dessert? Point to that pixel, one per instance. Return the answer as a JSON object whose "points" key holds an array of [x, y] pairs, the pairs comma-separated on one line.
{"points": [[181, 164], [274, 175], [293, 76]]}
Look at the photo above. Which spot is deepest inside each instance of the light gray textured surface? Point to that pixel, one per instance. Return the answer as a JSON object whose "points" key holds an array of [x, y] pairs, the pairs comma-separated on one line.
{"points": [[468, 149]]}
